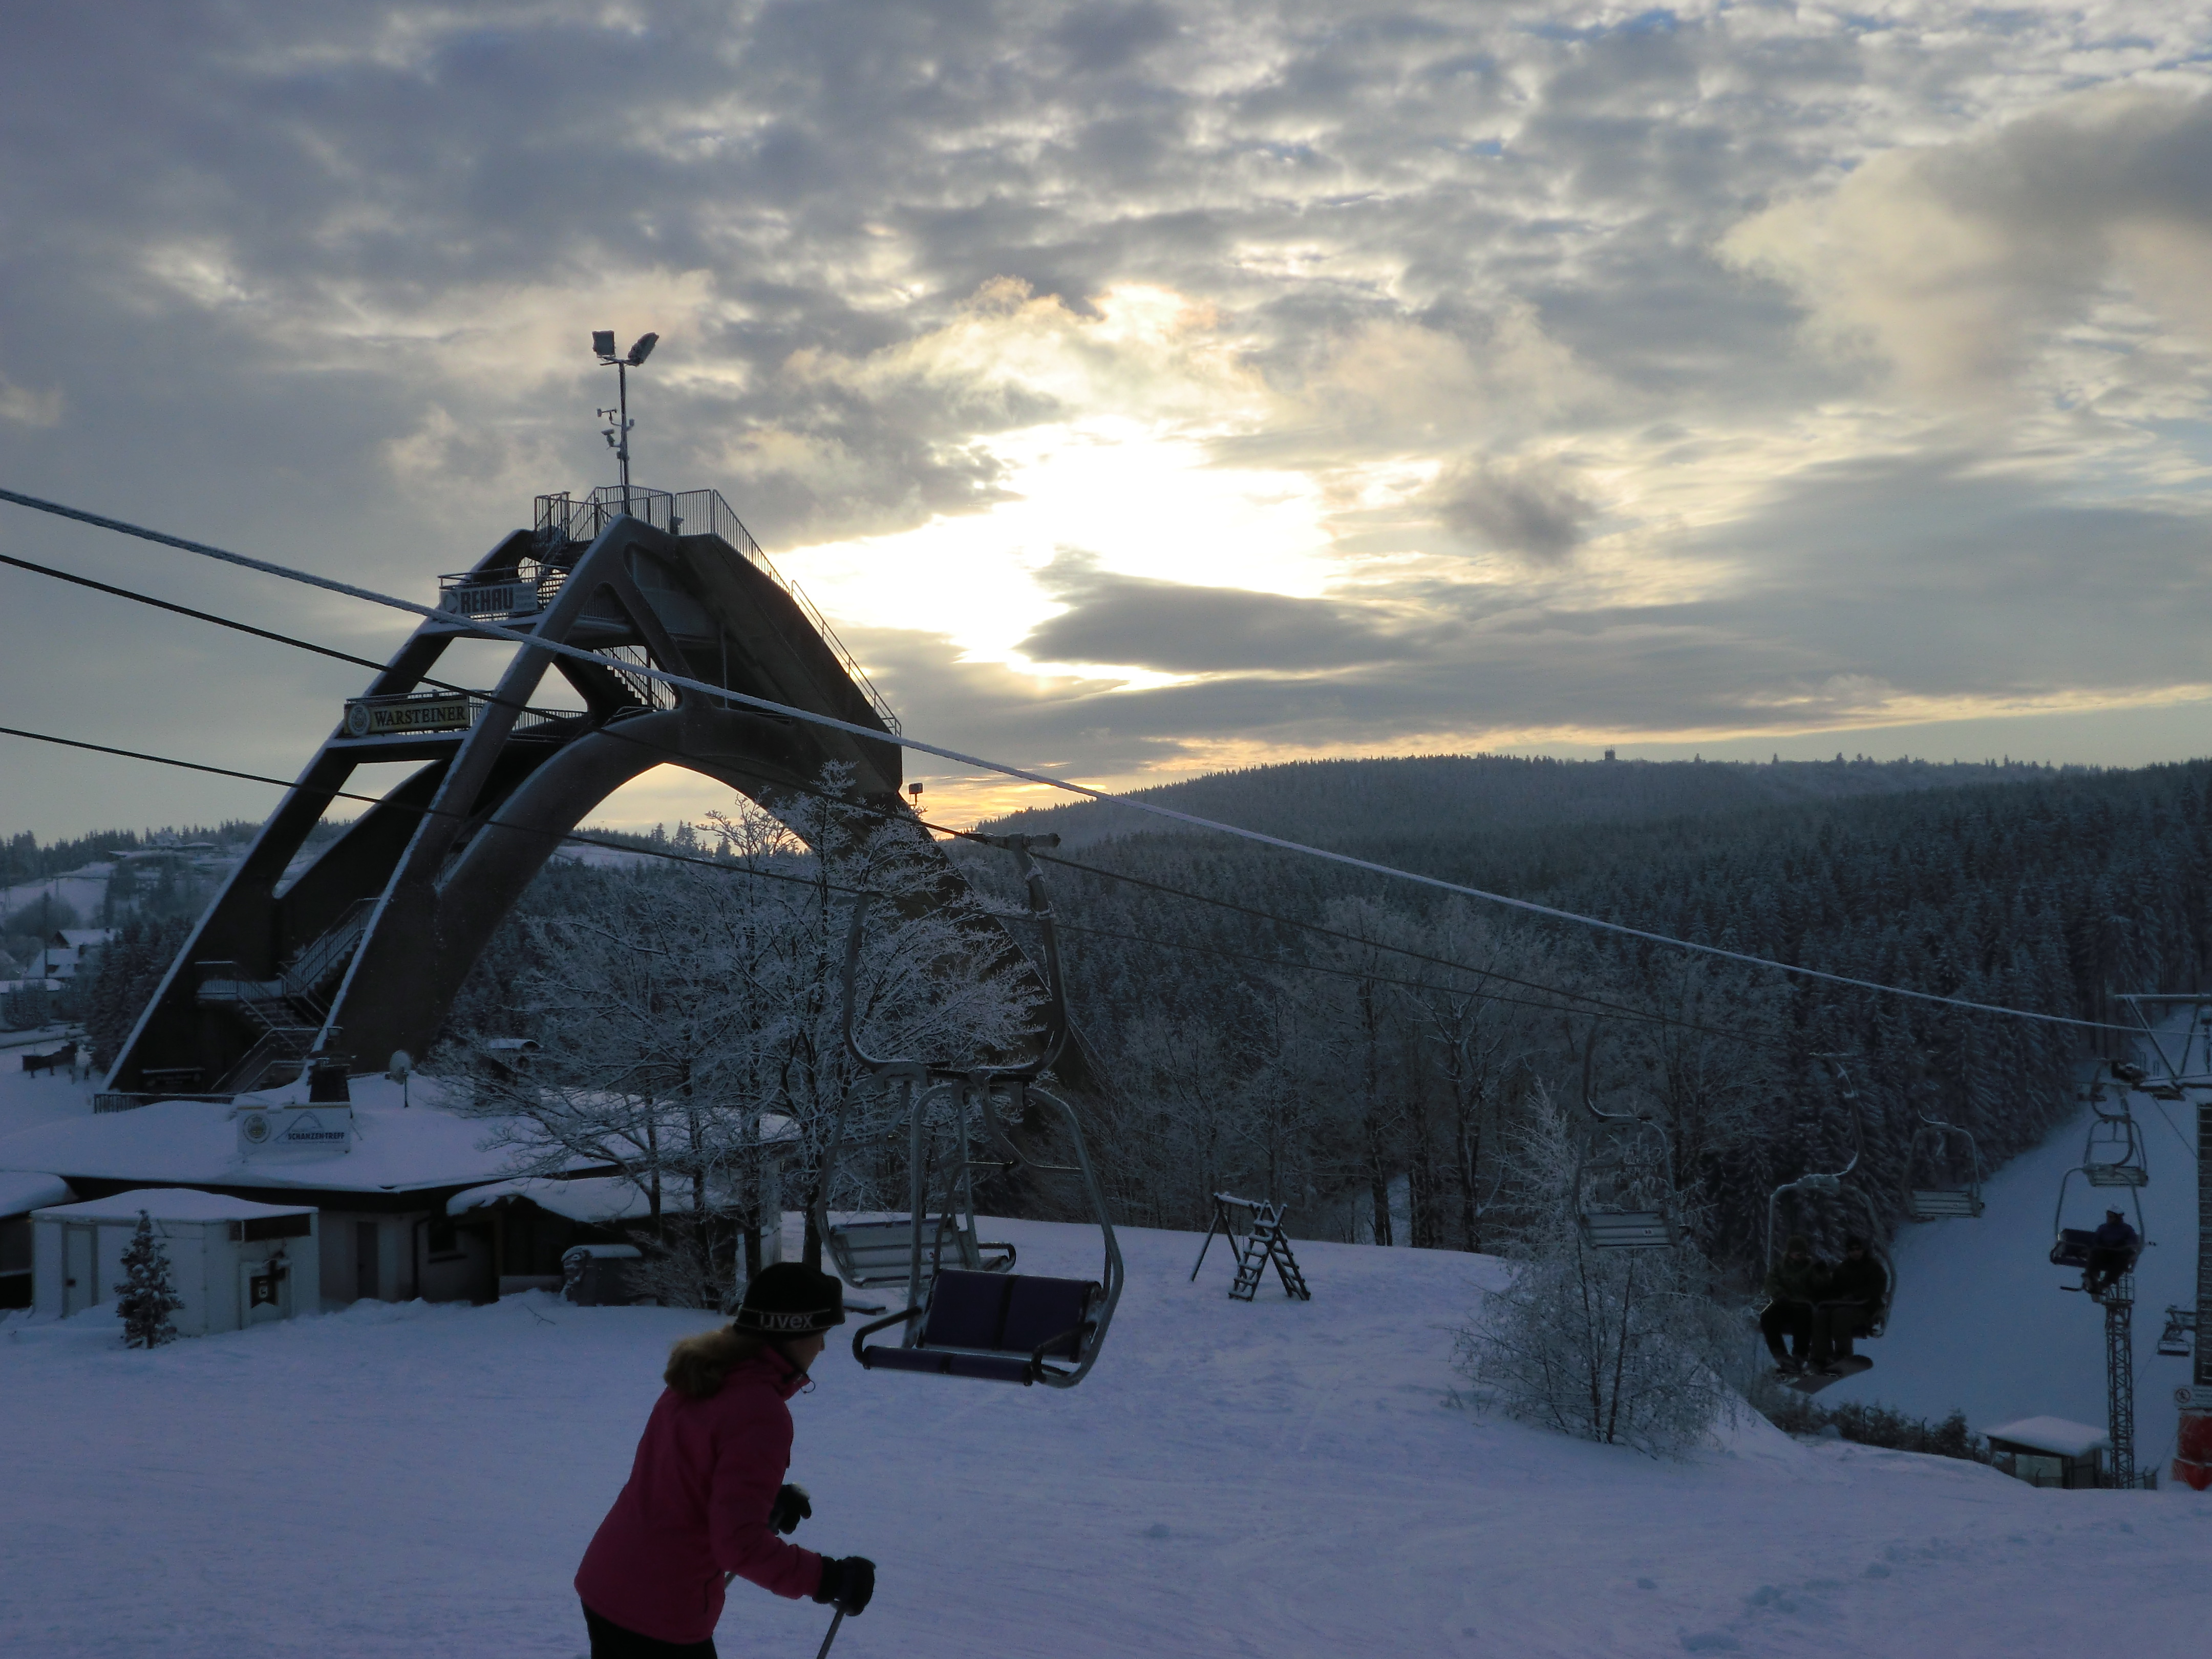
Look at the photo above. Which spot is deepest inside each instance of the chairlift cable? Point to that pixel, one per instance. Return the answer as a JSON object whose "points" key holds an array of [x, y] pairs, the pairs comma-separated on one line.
{"points": [[873, 734], [1608, 1005], [727, 867]]}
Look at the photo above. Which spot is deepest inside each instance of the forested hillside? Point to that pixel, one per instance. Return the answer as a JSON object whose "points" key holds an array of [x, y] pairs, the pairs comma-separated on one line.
{"points": [[1378, 1076], [1330, 802], [1325, 1081]]}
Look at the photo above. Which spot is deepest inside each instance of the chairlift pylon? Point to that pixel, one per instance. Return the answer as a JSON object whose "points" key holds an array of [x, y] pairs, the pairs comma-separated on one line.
{"points": [[1623, 1189], [1931, 1194], [972, 1317]]}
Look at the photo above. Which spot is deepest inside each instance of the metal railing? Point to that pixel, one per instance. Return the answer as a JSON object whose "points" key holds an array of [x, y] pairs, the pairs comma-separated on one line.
{"points": [[563, 519], [322, 959], [625, 661], [129, 1100]]}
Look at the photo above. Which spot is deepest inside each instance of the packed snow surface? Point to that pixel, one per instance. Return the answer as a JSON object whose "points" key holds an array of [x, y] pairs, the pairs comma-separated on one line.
{"points": [[1278, 1478]]}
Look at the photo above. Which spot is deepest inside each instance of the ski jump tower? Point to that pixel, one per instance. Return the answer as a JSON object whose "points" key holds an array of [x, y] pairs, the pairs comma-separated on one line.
{"points": [[360, 952]]}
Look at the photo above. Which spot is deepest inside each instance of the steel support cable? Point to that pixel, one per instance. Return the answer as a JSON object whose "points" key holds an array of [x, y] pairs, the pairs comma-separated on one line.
{"points": [[1528, 907], [1586, 998], [725, 867]]}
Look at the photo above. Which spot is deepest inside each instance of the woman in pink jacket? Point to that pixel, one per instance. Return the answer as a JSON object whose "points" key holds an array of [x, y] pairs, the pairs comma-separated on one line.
{"points": [[706, 1497]]}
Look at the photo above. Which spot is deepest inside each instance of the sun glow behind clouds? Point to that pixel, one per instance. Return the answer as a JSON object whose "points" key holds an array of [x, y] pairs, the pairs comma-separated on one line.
{"points": [[1138, 498]]}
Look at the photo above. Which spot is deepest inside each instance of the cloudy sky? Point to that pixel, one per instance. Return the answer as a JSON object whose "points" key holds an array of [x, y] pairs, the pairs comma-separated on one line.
{"points": [[1143, 388]]}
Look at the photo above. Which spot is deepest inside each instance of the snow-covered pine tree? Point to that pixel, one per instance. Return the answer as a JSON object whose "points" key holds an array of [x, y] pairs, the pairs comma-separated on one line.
{"points": [[146, 1298]]}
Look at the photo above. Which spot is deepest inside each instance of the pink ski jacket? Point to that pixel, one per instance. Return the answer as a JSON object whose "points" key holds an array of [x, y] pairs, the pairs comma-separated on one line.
{"points": [[697, 1506]]}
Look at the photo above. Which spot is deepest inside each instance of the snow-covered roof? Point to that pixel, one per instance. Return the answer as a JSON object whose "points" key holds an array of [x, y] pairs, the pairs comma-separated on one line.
{"points": [[171, 1204], [2054, 1434], [78, 938], [21, 1191], [591, 1199], [392, 1148]]}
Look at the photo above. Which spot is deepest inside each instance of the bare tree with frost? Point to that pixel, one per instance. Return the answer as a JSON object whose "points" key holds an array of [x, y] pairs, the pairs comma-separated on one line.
{"points": [[1625, 1347], [689, 1023]]}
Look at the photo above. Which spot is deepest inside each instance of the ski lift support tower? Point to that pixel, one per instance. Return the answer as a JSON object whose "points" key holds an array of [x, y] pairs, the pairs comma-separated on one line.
{"points": [[2187, 1328]]}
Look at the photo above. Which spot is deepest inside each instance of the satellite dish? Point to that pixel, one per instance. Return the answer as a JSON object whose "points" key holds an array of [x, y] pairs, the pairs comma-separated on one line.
{"points": [[643, 349], [402, 1064]]}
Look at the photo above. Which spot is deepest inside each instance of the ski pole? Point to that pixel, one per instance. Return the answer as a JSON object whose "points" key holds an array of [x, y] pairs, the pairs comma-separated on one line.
{"points": [[824, 1652]]}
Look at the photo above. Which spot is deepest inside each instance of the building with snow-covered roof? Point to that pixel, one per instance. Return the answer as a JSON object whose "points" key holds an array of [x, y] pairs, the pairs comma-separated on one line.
{"points": [[69, 951], [231, 1262], [2050, 1451], [20, 1195], [380, 1176]]}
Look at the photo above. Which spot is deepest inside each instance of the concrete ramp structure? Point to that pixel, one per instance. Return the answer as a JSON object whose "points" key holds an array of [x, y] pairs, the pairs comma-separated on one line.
{"points": [[362, 953]]}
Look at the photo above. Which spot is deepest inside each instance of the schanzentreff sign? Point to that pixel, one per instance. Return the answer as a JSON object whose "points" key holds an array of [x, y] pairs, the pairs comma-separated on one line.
{"points": [[382, 717], [264, 1129]]}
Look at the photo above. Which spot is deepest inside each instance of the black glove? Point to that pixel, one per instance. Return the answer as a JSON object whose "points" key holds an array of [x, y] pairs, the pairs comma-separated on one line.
{"points": [[791, 1507], [849, 1582]]}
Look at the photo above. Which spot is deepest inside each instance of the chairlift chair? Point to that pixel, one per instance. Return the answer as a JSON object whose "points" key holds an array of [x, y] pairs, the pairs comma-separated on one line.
{"points": [[1928, 1196], [2114, 1155], [1834, 1183], [1622, 1165], [2071, 1246], [975, 1317], [2174, 1341]]}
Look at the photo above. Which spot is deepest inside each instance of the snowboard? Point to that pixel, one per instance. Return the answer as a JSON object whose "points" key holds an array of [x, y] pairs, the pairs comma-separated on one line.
{"points": [[1814, 1381]]}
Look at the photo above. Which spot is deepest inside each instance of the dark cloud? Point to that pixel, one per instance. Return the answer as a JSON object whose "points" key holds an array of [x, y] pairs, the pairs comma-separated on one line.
{"points": [[1139, 622], [1515, 507]]}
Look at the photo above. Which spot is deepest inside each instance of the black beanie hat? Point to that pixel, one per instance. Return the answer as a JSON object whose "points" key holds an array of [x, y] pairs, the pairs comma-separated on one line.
{"points": [[788, 1299]]}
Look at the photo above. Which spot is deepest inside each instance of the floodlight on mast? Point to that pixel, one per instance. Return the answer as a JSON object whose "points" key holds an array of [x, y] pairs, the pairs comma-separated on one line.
{"points": [[617, 435]]}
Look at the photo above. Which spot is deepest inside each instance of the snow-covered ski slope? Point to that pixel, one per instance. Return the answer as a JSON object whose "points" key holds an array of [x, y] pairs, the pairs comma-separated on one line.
{"points": [[1282, 1479], [1980, 1321]]}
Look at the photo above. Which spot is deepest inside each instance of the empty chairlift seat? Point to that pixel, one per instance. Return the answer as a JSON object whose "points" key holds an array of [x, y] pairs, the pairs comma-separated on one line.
{"points": [[871, 1254], [996, 1327], [1627, 1230], [1942, 1204]]}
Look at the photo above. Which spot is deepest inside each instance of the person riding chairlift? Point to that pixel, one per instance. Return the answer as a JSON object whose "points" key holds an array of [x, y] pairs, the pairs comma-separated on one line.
{"points": [[705, 1500], [2112, 1250], [1795, 1287], [1847, 1310]]}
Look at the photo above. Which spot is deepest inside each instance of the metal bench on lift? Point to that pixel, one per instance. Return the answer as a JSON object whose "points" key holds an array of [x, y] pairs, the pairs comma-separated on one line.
{"points": [[1621, 1171], [1000, 1328]]}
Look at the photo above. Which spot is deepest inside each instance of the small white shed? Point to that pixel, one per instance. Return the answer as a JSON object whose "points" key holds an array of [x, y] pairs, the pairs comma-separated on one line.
{"points": [[2050, 1451], [233, 1262]]}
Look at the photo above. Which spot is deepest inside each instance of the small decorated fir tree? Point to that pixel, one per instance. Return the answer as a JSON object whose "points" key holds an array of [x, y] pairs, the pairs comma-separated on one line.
{"points": [[146, 1299]]}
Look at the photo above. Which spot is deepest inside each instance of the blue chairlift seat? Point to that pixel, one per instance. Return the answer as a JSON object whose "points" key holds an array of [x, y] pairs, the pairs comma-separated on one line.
{"points": [[997, 1327], [2074, 1245]]}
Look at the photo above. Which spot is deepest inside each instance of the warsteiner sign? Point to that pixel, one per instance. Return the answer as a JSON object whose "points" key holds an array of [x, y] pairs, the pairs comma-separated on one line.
{"points": [[386, 717]]}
